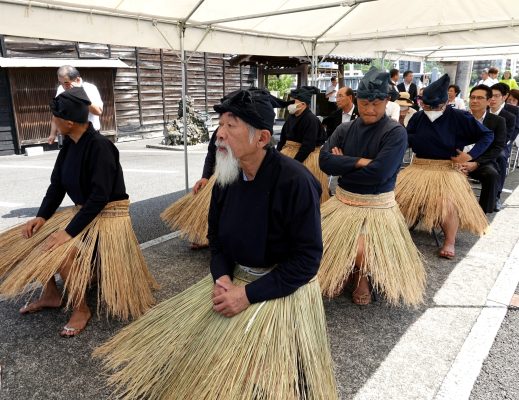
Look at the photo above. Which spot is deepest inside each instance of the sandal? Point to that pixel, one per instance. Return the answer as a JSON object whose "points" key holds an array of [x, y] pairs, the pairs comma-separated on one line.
{"points": [[366, 298], [68, 332], [27, 309]]}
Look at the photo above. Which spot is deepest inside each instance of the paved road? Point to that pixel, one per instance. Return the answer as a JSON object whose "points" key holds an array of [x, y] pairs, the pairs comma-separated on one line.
{"points": [[381, 352]]}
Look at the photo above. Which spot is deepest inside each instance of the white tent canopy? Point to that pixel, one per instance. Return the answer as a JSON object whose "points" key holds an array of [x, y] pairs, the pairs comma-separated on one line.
{"points": [[363, 28]]}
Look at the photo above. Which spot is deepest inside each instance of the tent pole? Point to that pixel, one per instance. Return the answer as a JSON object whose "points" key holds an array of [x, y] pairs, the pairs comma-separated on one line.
{"points": [[182, 30], [313, 105]]}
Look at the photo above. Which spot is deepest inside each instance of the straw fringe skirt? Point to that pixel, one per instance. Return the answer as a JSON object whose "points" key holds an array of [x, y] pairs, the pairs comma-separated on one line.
{"points": [[390, 257], [291, 148], [190, 213], [425, 189], [182, 349], [107, 249]]}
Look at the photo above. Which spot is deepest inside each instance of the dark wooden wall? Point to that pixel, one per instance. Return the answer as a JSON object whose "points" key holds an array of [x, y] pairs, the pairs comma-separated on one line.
{"points": [[7, 143], [146, 94], [148, 91]]}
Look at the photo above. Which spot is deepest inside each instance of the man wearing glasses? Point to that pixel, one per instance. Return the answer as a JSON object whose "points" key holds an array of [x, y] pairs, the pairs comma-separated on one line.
{"points": [[499, 107], [485, 168]]}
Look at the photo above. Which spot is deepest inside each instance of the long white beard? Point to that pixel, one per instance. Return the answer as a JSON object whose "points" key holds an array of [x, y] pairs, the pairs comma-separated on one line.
{"points": [[227, 167]]}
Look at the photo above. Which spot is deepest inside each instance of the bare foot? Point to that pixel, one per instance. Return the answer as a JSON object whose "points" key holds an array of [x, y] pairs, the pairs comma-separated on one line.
{"points": [[41, 304], [362, 293], [77, 322], [447, 251]]}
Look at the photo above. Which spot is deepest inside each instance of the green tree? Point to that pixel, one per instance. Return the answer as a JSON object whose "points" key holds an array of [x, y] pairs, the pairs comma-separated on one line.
{"points": [[280, 83]]}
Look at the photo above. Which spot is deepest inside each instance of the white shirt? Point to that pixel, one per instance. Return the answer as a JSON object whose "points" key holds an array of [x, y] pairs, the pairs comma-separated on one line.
{"points": [[469, 147], [489, 82], [407, 86], [498, 110], [393, 110], [458, 103], [330, 89], [346, 116], [95, 99]]}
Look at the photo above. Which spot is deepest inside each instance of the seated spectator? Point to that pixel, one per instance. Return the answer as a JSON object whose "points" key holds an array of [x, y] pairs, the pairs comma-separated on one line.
{"points": [[513, 97], [392, 109], [493, 72], [454, 100], [406, 110], [511, 115], [507, 78], [485, 167], [347, 110]]}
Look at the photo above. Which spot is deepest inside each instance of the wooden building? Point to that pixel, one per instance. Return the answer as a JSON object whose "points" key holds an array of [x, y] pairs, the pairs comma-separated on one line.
{"points": [[138, 98]]}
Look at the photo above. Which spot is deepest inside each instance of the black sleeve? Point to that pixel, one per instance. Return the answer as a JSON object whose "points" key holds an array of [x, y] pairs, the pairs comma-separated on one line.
{"points": [[310, 130], [102, 168], [510, 126], [282, 137], [210, 158], [497, 145], [382, 167], [303, 222], [220, 264], [55, 192], [336, 165]]}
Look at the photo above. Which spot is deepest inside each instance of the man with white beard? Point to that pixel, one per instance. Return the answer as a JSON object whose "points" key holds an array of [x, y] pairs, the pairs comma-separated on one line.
{"points": [[256, 325]]}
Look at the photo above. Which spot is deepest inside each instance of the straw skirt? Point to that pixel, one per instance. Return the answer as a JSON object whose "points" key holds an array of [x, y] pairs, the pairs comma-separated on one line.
{"points": [[182, 349], [391, 259], [427, 188], [291, 148], [190, 213], [106, 250]]}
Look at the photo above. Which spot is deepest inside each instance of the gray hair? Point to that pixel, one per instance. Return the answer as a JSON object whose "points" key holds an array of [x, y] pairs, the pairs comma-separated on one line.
{"points": [[68, 71], [252, 132]]}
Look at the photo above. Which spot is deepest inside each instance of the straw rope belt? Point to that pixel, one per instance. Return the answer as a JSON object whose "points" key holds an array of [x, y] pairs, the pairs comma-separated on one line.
{"points": [[382, 200], [248, 274], [119, 208], [426, 163], [297, 145]]}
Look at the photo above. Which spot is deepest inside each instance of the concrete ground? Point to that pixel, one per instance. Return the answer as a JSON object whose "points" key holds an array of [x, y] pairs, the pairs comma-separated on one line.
{"points": [[380, 351]]}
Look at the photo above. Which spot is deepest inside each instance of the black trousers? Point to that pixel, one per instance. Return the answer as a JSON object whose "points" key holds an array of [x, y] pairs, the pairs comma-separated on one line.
{"points": [[502, 163], [490, 181]]}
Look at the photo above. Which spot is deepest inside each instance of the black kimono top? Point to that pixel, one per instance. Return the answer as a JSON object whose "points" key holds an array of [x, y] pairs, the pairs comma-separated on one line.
{"points": [[90, 173], [272, 220], [383, 142], [305, 129]]}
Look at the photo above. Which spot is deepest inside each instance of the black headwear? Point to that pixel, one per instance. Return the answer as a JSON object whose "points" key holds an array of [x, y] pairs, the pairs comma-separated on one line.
{"points": [[437, 92], [71, 105], [304, 93], [275, 101], [374, 85], [252, 106]]}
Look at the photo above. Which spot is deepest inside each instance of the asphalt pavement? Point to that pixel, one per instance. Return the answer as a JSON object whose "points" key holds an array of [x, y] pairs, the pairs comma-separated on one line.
{"points": [[380, 351]]}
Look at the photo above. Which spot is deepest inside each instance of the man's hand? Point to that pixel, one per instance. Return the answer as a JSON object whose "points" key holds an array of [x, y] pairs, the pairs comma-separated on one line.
{"points": [[32, 226], [199, 185], [51, 138], [337, 152], [218, 289], [461, 158], [232, 301], [362, 162], [468, 167], [56, 239]]}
